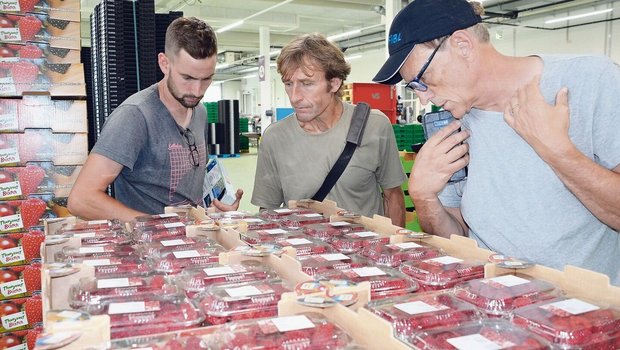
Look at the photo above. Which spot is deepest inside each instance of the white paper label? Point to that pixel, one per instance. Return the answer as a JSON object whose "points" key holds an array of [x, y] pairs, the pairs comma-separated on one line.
{"points": [[572, 306], [292, 323], [15, 320], [334, 257], [234, 213], [11, 222], [298, 241], [96, 262], [369, 271], [12, 288], [91, 250], [126, 308], [282, 211], [113, 283], [7, 87], [408, 245], [9, 155], [276, 231], [10, 189], [312, 215], [174, 225], [12, 255], [217, 271], [167, 215], [340, 223], [446, 260], [173, 242], [474, 342], [183, 254], [10, 34], [507, 280], [253, 220], [419, 307], [97, 222], [245, 291], [365, 234], [9, 5]]}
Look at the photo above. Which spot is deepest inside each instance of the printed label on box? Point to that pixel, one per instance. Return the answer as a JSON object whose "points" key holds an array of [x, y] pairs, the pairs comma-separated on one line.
{"points": [[184, 254], [132, 307], [283, 211], [275, 231], [15, 320], [298, 241], [419, 307], [444, 260], [85, 234], [506, 281], [10, 34], [91, 250], [369, 271], [11, 222], [8, 155], [8, 122], [10, 189], [222, 270], [477, 342], [334, 257], [176, 242], [363, 234], [10, 5], [97, 222], [253, 220], [13, 288], [292, 323], [174, 225], [97, 262], [340, 223], [245, 291], [405, 245], [312, 215], [113, 283], [569, 307], [12, 255], [167, 215]]}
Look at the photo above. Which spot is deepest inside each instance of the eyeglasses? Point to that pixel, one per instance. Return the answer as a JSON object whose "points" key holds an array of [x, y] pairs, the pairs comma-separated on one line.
{"points": [[193, 150], [416, 84]]}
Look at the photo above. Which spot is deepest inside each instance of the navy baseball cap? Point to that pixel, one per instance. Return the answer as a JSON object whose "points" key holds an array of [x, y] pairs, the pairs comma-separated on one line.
{"points": [[419, 22]]}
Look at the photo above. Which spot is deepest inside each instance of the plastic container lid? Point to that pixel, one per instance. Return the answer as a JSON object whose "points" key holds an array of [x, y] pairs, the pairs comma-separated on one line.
{"points": [[498, 296], [299, 220], [302, 331], [442, 272], [76, 254], [356, 241], [268, 236], [159, 247], [92, 291], [225, 302], [306, 245], [384, 281], [93, 225], [119, 267], [571, 323], [157, 219], [175, 261], [159, 232], [327, 231], [193, 281], [257, 223], [233, 214], [323, 263], [484, 334], [276, 214], [394, 254], [412, 314]]}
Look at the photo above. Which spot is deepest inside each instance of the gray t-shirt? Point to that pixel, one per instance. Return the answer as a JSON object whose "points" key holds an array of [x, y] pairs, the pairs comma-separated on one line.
{"points": [[292, 164], [512, 200], [142, 135]]}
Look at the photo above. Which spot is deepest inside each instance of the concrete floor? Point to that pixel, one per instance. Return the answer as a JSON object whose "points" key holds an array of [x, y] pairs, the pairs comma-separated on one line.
{"points": [[241, 171]]}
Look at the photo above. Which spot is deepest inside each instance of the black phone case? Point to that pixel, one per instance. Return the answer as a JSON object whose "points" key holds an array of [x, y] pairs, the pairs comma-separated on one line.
{"points": [[433, 122]]}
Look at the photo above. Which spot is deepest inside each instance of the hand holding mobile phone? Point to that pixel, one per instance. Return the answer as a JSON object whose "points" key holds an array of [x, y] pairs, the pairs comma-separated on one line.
{"points": [[435, 121]]}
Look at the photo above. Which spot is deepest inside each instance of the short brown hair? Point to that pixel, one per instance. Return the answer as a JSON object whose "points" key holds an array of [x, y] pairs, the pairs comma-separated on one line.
{"points": [[193, 35], [314, 49]]}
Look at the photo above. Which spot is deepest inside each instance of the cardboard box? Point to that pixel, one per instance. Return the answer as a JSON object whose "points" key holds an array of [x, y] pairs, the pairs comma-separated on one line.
{"points": [[37, 178], [20, 248], [59, 9], [19, 76], [42, 145], [35, 50], [20, 314], [41, 28], [41, 112], [20, 215], [20, 281]]}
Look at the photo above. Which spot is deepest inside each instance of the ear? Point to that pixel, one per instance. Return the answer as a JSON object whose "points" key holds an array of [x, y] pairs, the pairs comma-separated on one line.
{"points": [[163, 62], [335, 84], [463, 42]]}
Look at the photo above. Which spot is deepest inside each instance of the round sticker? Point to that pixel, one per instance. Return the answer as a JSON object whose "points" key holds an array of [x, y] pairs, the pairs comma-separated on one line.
{"points": [[61, 269]]}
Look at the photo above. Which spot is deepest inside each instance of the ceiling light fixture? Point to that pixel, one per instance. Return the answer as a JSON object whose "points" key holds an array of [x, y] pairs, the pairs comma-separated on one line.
{"points": [[240, 22], [230, 26], [344, 35], [568, 18]]}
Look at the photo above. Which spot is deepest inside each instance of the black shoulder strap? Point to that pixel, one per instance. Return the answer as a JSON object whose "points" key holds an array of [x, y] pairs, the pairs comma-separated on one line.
{"points": [[354, 139]]}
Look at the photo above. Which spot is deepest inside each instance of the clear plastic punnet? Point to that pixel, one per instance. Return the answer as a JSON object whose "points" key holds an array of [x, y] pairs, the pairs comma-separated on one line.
{"points": [[411, 314], [78, 254], [176, 261], [151, 315], [499, 296], [145, 221], [196, 280], [230, 215], [129, 266], [572, 323], [323, 263], [160, 247], [394, 254], [300, 220], [354, 242], [89, 292], [279, 213], [442, 272], [327, 231], [226, 302], [94, 226], [159, 232], [269, 235], [306, 245], [258, 223], [385, 282], [307, 331], [483, 334]]}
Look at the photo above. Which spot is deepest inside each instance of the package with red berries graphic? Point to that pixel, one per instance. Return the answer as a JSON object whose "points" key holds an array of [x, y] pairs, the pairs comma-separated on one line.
{"points": [[442, 272], [37, 178], [572, 323], [20, 75], [269, 236], [176, 261], [20, 281], [304, 331], [411, 314], [20, 215], [20, 248], [196, 280], [279, 213], [394, 254], [327, 231], [385, 282], [21, 340], [354, 242], [41, 145], [299, 220], [498, 296], [31, 27], [476, 335], [41, 112], [306, 245], [22, 313], [35, 51], [324, 263], [60, 9], [226, 302]]}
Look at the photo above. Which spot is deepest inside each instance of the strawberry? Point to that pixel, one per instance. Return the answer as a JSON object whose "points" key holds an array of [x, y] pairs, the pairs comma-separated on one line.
{"points": [[34, 309], [33, 334], [30, 51], [32, 209], [31, 244], [29, 26], [27, 5], [29, 178], [32, 277], [24, 74]]}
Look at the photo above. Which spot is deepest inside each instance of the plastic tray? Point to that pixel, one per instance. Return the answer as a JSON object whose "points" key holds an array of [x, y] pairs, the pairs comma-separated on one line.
{"points": [[306, 245], [442, 272], [498, 296], [276, 214], [300, 220], [356, 241], [394, 254], [323, 263], [120, 267], [384, 281], [225, 302], [160, 247], [412, 314], [571, 323], [93, 225], [159, 232], [157, 219], [73, 254], [269, 236], [257, 223], [327, 231], [194, 281], [174, 262]]}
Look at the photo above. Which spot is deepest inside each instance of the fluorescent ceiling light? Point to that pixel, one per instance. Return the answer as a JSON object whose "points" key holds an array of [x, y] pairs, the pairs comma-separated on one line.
{"points": [[230, 26], [344, 35], [251, 69], [352, 57], [568, 18]]}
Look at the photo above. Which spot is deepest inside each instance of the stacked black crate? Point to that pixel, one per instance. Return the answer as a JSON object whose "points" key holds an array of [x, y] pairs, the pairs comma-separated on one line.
{"points": [[162, 21], [146, 54], [228, 114]]}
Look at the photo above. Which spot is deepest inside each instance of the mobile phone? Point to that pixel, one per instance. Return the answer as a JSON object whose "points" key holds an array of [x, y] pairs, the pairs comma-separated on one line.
{"points": [[433, 122]]}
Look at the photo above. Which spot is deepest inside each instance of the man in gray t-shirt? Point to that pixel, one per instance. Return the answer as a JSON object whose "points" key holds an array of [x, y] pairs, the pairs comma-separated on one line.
{"points": [[153, 145], [539, 136]]}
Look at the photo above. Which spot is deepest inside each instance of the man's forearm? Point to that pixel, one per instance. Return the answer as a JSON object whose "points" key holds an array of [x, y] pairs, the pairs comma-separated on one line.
{"points": [[394, 205], [435, 219], [100, 206]]}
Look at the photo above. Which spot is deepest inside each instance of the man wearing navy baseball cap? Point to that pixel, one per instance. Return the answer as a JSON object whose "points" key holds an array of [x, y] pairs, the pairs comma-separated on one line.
{"points": [[543, 169]]}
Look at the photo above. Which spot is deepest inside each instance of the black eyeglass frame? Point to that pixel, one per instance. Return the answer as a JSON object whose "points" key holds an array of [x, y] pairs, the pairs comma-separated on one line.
{"points": [[193, 150], [416, 84]]}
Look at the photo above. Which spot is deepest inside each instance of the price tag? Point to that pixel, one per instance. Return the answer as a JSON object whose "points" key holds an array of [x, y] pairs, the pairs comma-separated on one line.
{"points": [[507, 280], [292, 323], [475, 342], [445, 260], [369, 271], [112, 283], [340, 223], [419, 307], [572, 306], [334, 257], [276, 231], [217, 271], [298, 241]]}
